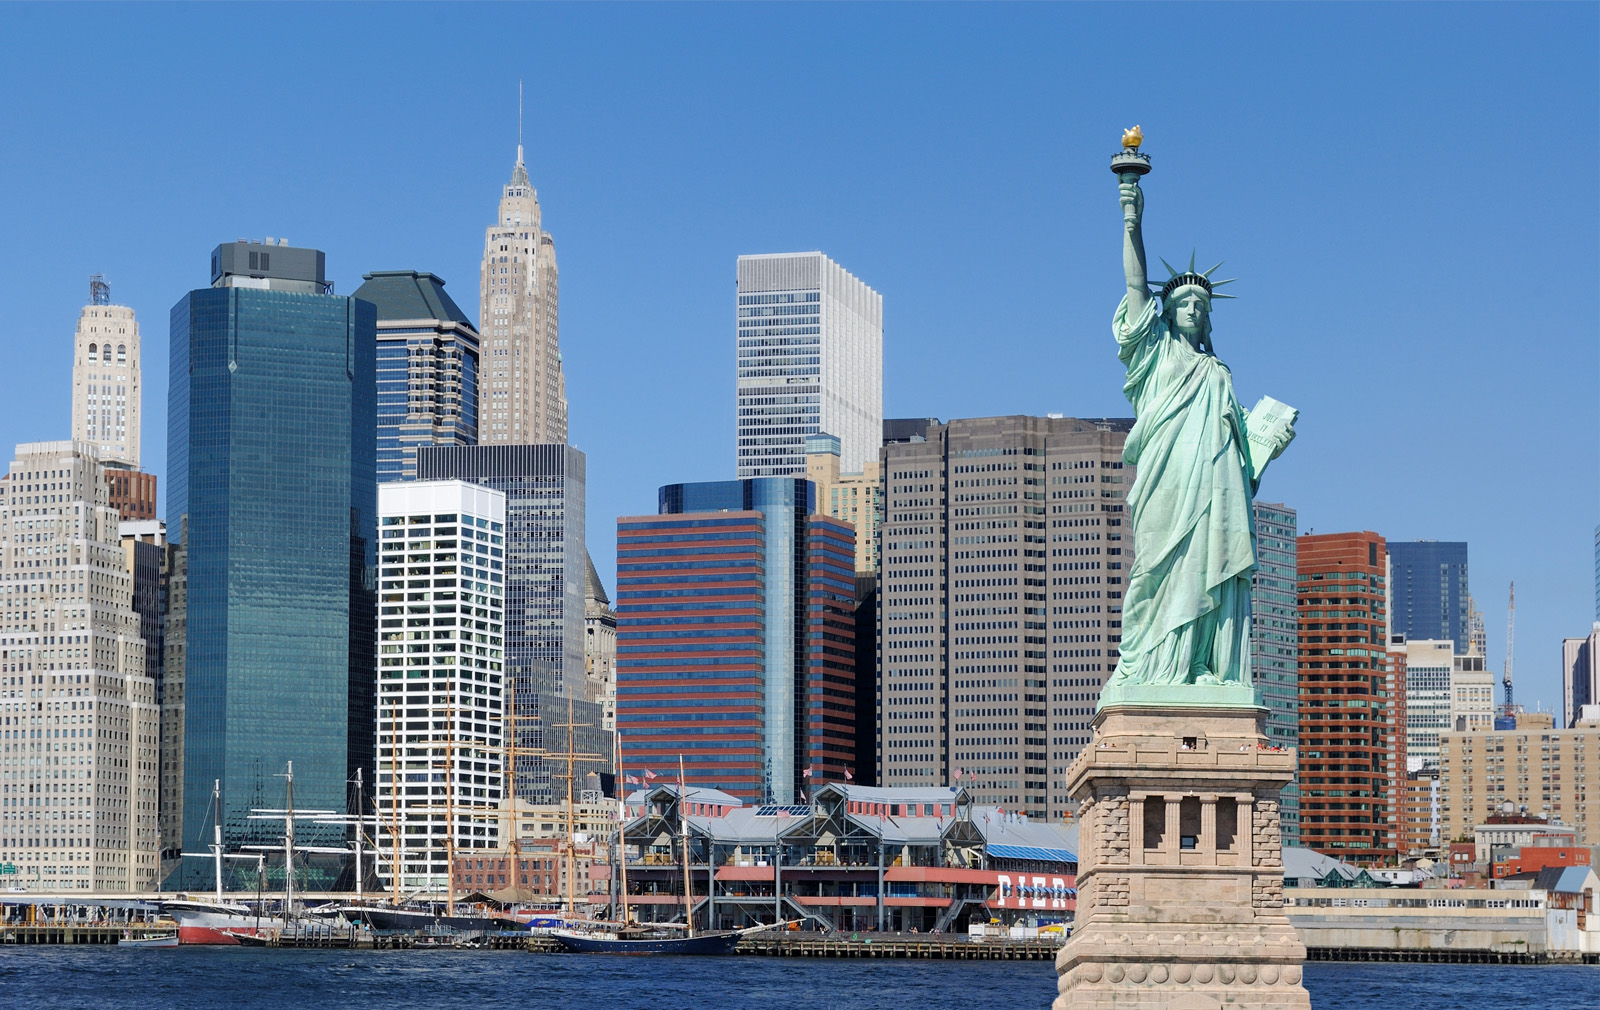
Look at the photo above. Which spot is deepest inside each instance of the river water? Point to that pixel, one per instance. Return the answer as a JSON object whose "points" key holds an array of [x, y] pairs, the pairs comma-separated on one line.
{"points": [[190, 978]]}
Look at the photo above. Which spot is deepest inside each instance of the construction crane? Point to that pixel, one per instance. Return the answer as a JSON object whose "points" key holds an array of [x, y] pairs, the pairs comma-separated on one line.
{"points": [[1511, 638]]}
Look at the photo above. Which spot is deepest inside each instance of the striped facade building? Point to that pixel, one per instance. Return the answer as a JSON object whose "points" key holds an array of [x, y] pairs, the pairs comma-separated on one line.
{"points": [[735, 638]]}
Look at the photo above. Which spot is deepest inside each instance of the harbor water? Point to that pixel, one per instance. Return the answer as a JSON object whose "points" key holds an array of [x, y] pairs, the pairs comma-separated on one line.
{"points": [[191, 978]]}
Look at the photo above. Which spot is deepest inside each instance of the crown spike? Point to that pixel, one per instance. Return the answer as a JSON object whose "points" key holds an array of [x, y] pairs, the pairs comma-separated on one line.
{"points": [[1218, 284], [1208, 273], [1191, 260], [1170, 271], [1216, 294]]}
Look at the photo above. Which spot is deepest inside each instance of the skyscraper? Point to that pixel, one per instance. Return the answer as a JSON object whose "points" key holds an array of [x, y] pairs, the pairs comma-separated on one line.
{"points": [[105, 378], [734, 638], [544, 563], [1005, 556], [600, 646], [1352, 700], [1274, 640], [271, 438], [441, 714], [522, 392], [810, 357], [78, 755], [1429, 591], [427, 363], [1580, 675]]}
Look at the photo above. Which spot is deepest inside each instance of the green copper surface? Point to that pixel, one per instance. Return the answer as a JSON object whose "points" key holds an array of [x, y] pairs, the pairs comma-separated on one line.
{"points": [[1186, 611]]}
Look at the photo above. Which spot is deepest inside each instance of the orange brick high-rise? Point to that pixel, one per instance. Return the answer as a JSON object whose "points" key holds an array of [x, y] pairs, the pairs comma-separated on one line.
{"points": [[1352, 738]]}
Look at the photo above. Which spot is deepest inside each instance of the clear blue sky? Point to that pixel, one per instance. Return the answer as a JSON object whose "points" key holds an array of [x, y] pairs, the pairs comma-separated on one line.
{"points": [[1407, 192]]}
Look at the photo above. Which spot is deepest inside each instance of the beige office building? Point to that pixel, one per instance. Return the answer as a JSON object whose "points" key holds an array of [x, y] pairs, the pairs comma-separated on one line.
{"points": [[1443, 691], [105, 378], [1537, 769], [522, 391], [78, 717], [854, 498], [1006, 552]]}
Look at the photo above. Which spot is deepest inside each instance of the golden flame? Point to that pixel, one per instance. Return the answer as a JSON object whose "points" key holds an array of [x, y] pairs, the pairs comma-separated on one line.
{"points": [[1131, 139]]}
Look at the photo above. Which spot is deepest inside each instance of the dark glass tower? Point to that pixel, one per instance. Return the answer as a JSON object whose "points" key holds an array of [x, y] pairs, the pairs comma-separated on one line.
{"points": [[427, 369], [270, 447], [1429, 591]]}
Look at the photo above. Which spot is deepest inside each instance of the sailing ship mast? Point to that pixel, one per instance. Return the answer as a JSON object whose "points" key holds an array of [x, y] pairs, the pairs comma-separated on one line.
{"points": [[288, 844], [394, 797], [216, 832], [509, 792], [571, 757], [359, 800], [621, 854], [683, 829], [450, 809]]}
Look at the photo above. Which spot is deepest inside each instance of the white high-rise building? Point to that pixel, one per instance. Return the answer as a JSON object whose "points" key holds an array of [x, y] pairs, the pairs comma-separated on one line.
{"points": [[522, 392], [79, 726], [105, 378], [441, 657], [810, 353]]}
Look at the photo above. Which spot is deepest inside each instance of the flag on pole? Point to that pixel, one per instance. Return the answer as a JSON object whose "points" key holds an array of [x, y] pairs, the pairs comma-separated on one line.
{"points": [[847, 776], [805, 774], [633, 780], [959, 773], [648, 775]]}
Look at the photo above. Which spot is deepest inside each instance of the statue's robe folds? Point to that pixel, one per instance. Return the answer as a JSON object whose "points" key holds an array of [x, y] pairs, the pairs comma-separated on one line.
{"points": [[1186, 612]]}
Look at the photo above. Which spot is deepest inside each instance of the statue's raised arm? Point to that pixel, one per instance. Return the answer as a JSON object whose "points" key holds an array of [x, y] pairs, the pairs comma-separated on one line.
{"points": [[1132, 198]]}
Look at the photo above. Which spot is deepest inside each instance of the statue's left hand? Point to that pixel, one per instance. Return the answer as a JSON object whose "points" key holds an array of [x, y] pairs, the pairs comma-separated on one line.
{"points": [[1283, 441]]}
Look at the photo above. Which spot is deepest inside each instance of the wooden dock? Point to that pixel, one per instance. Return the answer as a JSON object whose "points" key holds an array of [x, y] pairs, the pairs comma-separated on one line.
{"points": [[92, 933]]}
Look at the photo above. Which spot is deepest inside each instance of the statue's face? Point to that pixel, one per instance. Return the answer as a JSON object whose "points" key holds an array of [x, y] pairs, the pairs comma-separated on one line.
{"points": [[1189, 312]]}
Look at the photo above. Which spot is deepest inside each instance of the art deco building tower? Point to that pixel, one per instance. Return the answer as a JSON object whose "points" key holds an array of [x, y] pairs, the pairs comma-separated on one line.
{"points": [[105, 378], [523, 395]]}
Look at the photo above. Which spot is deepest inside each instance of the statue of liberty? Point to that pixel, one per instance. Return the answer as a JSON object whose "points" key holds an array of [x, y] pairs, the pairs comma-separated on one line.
{"points": [[1199, 456]]}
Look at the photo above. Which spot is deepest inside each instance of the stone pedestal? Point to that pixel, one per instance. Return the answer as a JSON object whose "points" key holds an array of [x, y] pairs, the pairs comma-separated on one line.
{"points": [[1180, 865]]}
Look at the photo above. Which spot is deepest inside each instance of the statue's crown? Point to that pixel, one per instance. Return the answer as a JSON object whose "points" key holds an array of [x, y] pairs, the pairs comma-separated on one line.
{"points": [[1193, 278]]}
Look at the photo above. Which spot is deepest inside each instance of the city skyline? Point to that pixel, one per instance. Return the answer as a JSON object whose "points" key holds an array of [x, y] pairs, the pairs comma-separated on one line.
{"points": [[1352, 369]]}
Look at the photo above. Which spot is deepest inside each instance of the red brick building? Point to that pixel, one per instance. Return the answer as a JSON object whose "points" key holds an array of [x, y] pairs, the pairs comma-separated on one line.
{"points": [[1352, 717], [133, 494], [1533, 858]]}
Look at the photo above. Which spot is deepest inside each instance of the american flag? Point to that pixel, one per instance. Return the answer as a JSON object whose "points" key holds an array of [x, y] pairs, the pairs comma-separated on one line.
{"points": [[806, 773], [959, 773], [648, 775], [633, 780], [847, 776]]}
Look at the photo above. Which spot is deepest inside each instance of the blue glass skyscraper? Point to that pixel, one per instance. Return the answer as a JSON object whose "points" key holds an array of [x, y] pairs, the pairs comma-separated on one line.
{"points": [[270, 442], [427, 369], [1428, 590]]}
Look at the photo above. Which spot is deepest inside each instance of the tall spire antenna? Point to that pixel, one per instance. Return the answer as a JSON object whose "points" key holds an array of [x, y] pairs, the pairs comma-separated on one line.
{"points": [[519, 122]]}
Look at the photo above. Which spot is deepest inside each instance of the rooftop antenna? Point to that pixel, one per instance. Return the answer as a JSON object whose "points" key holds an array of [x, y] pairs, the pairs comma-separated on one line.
{"points": [[99, 290], [519, 122], [1511, 638]]}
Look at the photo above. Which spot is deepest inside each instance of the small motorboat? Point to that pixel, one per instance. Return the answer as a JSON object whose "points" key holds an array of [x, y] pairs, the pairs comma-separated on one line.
{"points": [[153, 940]]}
